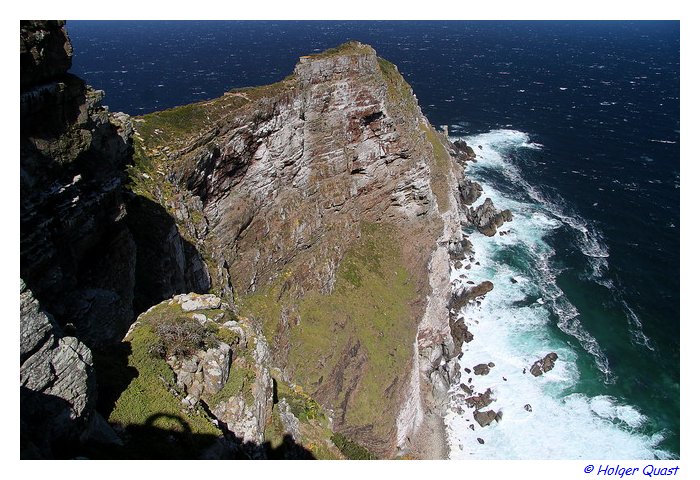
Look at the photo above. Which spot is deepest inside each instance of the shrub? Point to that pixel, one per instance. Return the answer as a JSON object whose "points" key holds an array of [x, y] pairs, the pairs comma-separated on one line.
{"points": [[182, 337]]}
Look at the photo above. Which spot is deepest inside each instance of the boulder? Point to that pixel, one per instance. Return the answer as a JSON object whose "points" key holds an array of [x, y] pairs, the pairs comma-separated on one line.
{"points": [[469, 191], [544, 364], [463, 151], [193, 302], [481, 400], [481, 369], [485, 418]]}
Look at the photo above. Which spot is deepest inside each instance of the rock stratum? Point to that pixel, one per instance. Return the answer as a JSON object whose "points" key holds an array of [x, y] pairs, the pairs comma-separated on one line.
{"points": [[261, 275]]}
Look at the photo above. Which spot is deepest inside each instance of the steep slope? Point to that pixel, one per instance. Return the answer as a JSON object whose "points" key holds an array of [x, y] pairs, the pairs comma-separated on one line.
{"points": [[320, 213], [318, 202]]}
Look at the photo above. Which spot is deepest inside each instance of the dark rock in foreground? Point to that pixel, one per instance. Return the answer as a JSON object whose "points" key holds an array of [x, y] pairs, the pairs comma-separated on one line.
{"points": [[481, 369]]}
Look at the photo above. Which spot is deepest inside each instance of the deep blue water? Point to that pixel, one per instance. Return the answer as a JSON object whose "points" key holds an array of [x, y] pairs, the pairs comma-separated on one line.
{"points": [[601, 98]]}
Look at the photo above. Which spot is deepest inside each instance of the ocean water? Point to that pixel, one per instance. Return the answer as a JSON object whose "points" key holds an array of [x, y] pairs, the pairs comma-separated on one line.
{"points": [[579, 129]]}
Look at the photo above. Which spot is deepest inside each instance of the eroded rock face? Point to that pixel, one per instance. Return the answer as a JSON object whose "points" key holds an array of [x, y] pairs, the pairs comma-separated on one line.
{"points": [[57, 383]]}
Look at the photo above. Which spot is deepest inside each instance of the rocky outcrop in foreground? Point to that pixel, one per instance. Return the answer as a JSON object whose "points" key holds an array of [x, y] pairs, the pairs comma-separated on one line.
{"points": [[57, 383]]}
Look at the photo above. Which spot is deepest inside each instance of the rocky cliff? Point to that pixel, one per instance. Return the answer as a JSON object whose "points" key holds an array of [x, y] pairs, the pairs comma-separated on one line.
{"points": [[321, 212]]}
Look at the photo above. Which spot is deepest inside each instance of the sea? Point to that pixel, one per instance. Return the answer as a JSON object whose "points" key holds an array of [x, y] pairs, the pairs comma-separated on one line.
{"points": [[577, 131]]}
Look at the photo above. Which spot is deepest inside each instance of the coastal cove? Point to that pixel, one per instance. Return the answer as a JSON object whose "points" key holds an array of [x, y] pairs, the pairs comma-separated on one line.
{"points": [[378, 239]]}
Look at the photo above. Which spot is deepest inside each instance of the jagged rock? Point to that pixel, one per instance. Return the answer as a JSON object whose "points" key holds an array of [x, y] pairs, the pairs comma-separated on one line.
{"points": [[464, 152], [486, 218], [469, 191], [481, 369], [481, 400], [289, 421], [460, 333], [464, 295], [485, 418], [44, 52], [246, 417], [204, 373], [57, 383], [544, 365]]}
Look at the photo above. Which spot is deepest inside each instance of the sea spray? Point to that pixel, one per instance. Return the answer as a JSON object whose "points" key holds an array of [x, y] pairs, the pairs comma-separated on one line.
{"points": [[542, 417]]}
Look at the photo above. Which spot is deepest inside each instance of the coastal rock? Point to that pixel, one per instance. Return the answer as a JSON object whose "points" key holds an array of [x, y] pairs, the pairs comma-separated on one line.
{"points": [[528, 407], [469, 191], [460, 333], [486, 218], [544, 365], [485, 418], [463, 151], [481, 369], [481, 400], [464, 295]]}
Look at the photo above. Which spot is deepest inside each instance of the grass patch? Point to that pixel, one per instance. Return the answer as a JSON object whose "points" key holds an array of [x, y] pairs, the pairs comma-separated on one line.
{"points": [[347, 48], [156, 424], [369, 306], [240, 382], [350, 449], [439, 169]]}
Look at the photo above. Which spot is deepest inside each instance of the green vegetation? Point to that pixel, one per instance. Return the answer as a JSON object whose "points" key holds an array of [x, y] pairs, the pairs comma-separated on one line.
{"points": [[347, 48], [399, 91], [151, 413], [350, 449], [369, 306], [362, 333], [439, 169], [240, 381]]}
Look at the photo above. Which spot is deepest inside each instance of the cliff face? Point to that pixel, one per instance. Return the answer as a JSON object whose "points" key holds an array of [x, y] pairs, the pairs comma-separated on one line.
{"points": [[326, 189], [79, 260], [322, 210]]}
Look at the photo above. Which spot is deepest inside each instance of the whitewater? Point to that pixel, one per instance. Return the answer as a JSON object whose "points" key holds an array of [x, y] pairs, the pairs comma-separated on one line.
{"points": [[515, 325]]}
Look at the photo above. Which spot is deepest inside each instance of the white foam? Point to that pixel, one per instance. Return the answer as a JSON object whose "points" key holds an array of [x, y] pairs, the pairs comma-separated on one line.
{"points": [[511, 328]]}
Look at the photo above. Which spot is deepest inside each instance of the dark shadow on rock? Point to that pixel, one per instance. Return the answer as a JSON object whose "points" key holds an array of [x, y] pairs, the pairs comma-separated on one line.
{"points": [[46, 427], [113, 375], [177, 442], [166, 263]]}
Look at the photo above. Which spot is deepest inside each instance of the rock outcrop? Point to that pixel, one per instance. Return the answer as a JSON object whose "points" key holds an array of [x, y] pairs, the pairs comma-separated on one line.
{"points": [[57, 384], [486, 218], [89, 251], [544, 364]]}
